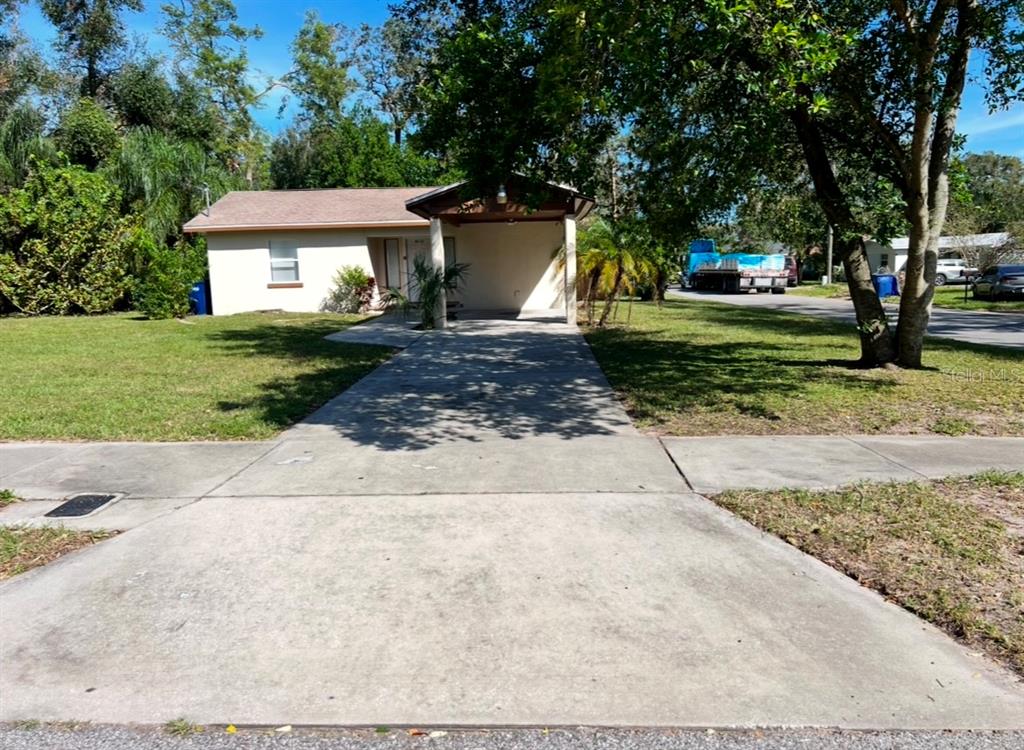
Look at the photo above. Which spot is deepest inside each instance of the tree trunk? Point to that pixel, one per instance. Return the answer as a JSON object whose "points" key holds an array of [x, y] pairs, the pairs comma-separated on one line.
{"points": [[876, 341], [92, 84], [877, 346], [588, 303], [398, 136], [929, 194], [918, 287], [616, 286], [660, 282]]}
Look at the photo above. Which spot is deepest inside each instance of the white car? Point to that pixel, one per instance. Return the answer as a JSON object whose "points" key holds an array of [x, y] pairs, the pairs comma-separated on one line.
{"points": [[950, 271]]}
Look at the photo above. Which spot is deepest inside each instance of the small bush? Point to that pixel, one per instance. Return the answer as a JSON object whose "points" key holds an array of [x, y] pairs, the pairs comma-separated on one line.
{"points": [[352, 293], [167, 278]]}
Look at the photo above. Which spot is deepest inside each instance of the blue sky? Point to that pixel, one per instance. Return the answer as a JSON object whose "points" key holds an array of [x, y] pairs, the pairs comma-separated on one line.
{"points": [[1002, 131]]}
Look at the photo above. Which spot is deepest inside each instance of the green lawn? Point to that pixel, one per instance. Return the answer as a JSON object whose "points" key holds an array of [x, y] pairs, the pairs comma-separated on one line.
{"points": [[704, 368], [950, 296], [949, 551], [119, 377], [827, 291], [953, 297]]}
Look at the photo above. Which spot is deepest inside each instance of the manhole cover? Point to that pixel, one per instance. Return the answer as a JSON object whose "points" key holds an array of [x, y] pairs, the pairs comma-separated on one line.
{"points": [[80, 505]]}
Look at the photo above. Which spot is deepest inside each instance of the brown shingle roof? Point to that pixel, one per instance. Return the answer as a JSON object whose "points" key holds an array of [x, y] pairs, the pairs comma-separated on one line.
{"points": [[310, 209]]}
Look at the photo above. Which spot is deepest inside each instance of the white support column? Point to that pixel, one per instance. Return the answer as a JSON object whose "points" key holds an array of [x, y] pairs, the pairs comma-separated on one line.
{"points": [[437, 256], [570, 269]]}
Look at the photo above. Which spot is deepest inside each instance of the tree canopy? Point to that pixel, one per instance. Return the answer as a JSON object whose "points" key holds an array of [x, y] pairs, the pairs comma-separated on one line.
{"points": [[715, 94], [105, 125]]}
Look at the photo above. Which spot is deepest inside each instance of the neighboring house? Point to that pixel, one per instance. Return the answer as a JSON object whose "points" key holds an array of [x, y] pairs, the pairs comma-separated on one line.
{"points": [[280, 249], [894, 255]]}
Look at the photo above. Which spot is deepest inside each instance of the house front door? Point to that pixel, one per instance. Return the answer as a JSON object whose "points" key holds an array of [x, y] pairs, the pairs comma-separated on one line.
{"points": [[392, 264]]}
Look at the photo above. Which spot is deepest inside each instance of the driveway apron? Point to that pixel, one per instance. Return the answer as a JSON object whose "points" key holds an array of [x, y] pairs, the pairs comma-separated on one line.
{"points": [[474, 534]]}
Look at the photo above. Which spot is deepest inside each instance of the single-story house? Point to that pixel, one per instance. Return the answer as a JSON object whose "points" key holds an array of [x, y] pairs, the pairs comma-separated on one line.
{"points": [[280, 249], [894, 255]]}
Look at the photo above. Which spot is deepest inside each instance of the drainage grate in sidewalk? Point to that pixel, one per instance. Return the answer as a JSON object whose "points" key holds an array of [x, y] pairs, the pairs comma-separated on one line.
{"points": [[80, 505]]}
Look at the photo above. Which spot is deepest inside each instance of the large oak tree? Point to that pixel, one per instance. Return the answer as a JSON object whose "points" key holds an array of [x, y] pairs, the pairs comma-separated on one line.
{"points": [[715, 92]]}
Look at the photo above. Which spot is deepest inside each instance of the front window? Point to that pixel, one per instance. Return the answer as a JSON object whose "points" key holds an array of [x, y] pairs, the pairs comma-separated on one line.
{"points": [[284, 262]]}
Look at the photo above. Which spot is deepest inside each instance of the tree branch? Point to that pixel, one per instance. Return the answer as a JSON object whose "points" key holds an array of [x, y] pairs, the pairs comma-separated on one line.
{"points": [[902, 10], [952, 92]]}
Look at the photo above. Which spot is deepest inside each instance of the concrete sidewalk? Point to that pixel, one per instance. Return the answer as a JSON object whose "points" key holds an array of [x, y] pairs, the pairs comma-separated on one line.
{"points": [[301, 464], [714, 464]]}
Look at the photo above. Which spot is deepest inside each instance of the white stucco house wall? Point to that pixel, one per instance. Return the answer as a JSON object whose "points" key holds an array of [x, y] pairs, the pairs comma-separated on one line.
{"points": [[894, 255], [280, 249]]}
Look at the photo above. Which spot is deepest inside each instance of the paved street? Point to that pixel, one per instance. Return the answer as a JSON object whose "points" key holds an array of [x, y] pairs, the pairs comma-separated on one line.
{"points": [[474, 534], [1000, 329], [554, 738]]}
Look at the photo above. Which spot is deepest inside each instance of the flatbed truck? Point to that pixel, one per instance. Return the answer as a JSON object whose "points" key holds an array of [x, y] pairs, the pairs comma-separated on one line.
{"points": [[708, 270]]}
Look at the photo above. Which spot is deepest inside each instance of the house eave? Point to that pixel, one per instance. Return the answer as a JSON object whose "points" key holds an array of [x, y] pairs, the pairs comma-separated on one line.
{"points": [[217, 228]]}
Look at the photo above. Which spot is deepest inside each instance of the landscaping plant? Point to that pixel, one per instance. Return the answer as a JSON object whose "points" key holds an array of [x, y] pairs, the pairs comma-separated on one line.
{"points": [[352, 292], [64, 247], [167, 278], [429, 284]]}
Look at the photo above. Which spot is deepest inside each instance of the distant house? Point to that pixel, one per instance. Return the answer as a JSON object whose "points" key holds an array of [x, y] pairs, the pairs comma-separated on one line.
{"points": [[894, 255], [280, 249]]}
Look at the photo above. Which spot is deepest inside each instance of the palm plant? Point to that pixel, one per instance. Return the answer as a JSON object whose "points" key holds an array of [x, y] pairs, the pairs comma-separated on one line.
{"points": [[163, 180], [21, 139], [428, 283], [610, 265]]}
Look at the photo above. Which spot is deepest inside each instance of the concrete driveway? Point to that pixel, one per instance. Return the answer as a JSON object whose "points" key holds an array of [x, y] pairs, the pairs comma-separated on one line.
{"points": [[980, 327], [474, 534]]}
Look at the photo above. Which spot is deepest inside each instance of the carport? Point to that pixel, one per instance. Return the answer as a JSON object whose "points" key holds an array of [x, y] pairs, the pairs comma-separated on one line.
{"points": [[518, 201]]}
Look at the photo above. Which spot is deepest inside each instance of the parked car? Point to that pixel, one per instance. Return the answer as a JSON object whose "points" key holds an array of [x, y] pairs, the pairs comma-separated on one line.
{"points": [[951, 271], [793, 269], [997, 282]]}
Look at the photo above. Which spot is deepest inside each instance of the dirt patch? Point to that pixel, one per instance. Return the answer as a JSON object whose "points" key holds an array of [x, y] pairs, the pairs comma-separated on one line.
{"points": [[23, 548], [950, 551]]}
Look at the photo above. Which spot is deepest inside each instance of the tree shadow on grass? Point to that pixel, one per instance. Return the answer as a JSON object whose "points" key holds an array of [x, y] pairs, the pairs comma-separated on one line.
{"points": [[760, 319], [329, 367], [665, 376]]}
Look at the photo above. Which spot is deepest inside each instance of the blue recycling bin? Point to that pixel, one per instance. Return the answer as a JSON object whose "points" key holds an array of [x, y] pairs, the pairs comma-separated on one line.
{"points": [[198, 299], [886, 284]]}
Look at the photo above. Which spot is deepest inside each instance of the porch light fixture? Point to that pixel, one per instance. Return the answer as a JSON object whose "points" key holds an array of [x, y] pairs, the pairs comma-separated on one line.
{"points": [[502, 196]]}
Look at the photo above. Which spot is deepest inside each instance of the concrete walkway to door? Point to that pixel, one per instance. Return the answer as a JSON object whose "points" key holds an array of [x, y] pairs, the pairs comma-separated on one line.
{"points": [[472, 535]]}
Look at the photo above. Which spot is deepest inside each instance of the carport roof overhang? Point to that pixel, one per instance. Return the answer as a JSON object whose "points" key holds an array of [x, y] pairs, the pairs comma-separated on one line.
{"points": [[527, 200]]}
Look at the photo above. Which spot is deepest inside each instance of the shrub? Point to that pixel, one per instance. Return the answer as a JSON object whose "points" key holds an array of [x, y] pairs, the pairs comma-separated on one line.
{"points": [[167, 278], [64, 248], [86, 133], [352, 293]]}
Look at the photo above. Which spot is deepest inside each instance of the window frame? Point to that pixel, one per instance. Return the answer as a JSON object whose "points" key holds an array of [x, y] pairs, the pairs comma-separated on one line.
{"points": [[290, 261]]}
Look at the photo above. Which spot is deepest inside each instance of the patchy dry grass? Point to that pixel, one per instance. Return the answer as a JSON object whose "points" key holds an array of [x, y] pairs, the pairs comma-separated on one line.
{"points": [[23, 548], [706, 368], [7, 497], [950, 551]]}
